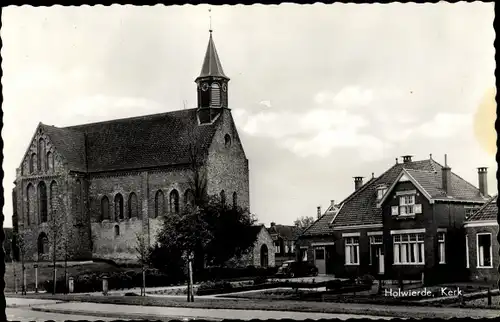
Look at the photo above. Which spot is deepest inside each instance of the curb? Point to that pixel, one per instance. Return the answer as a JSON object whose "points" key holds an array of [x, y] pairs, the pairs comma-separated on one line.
{"points": [[15, 306], [127, 316]]}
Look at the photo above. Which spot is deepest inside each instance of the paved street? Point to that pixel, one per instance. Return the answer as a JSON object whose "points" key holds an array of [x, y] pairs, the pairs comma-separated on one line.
{"points": [[26, 314], [60, 311]]}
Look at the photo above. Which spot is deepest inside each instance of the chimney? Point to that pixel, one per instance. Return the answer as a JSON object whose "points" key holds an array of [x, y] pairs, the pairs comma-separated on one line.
{"points": [[332, 203], [446, 176], [273, 224], [397, 161], [319, 211], [406, 158], [358, 182], [482, 174]]}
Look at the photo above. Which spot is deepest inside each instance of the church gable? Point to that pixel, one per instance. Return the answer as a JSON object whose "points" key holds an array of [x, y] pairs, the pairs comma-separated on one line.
{"points": [[226, 138], [42, 155]]}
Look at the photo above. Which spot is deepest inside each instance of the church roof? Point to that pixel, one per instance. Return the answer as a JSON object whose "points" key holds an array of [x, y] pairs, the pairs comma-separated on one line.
{"points": [[360, 208], [211, 64], [131, 143]]}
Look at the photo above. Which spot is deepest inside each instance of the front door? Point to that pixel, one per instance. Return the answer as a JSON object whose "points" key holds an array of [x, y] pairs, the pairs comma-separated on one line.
{"points": [[377, 260], [319, 259], [381, 262]]}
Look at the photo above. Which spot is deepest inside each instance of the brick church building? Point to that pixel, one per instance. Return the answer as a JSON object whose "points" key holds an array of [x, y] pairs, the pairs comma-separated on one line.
{"points": [[92, 188]]}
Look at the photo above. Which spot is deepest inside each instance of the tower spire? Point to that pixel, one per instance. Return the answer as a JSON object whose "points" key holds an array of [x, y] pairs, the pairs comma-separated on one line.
{"points": [[210, 17]]}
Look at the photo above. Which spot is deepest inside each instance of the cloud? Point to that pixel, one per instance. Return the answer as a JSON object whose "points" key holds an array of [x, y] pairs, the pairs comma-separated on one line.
{"points": [[266, 104], [445, 125], [350, 96], [278, 125], [323, 143]]}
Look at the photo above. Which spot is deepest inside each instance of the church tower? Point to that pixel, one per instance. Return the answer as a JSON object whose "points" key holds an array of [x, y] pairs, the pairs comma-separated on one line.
{"points": [[212, 86]]}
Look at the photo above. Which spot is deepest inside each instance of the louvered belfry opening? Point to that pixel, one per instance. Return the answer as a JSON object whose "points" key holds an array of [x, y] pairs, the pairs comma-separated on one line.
{"points": [[215, 99]]}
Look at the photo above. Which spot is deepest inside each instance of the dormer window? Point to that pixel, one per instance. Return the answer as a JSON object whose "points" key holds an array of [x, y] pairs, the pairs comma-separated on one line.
{"points": [[381, 190], [407, 205]]}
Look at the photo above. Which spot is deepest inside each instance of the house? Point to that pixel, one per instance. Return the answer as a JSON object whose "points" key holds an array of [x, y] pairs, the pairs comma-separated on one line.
{"points": [[406, 223], [94, 187], [284, 239], [261, 254], [481, 231]]}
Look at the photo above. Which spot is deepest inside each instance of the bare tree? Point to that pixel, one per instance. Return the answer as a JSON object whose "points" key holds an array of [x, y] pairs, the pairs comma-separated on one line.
{"points": [[304, 222], [21, 244], [142, 248], [59, 238]]}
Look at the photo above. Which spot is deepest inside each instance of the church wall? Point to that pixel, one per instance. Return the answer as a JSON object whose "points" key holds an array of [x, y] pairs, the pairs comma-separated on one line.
{"points": [[105, 242], [227, 167], [145, 185]]}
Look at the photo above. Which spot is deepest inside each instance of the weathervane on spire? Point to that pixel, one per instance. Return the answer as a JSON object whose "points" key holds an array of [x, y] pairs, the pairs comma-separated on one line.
{"points": [[210, 17]]}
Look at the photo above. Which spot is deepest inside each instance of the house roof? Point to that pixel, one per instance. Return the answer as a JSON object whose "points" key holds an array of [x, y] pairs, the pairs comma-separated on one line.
{"points": [[487, 212], [139, 142], [360, 208], [284, 231], [211, 64]]}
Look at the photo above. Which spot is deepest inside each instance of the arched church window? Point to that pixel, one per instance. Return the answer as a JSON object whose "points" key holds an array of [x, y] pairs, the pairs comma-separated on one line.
{"points": [[32, 162], [50, 161], [42, 199], [215, 95], [227, 140], [235, 199], [189, 199], [159, 204], [132, 206], [105, 208], [78, 200], [223, 197], [30, 203], [174, 202], [54, 197], [118, 206], [117, 230], [41, 155]]}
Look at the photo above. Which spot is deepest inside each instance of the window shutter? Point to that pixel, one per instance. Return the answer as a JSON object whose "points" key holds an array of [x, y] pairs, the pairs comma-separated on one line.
{"points": [[394, 210], [418, 208]]}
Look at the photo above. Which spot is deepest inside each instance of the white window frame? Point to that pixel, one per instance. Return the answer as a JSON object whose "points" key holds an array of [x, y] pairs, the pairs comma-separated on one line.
{"points": [[277, 249], [407, 205], [404, 241], [441, 247], [351, 242], [478, 253], [473, 210], [373, 241], [467, 261], [381, 191]]}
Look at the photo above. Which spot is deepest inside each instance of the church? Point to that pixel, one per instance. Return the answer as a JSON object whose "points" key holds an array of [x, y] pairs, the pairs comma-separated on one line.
{"points": [[91, 189]]}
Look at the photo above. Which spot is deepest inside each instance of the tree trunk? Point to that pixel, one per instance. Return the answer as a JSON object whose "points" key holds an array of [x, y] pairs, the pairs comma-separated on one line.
{"points": [[143, 280], [23, 268], [54, 266], [191, 290], [66, 266]]}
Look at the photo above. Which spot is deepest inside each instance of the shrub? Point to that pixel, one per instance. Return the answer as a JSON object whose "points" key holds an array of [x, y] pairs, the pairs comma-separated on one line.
{"points": [[366, 279], [259, 280], [220, 285]]}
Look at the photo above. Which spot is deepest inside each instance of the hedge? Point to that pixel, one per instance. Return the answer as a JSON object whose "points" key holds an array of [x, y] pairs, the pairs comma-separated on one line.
{"points": [[92, 282], [225, 273]]}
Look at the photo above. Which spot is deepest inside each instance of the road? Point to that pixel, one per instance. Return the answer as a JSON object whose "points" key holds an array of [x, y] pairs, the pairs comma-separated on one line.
{"points": [[26, 314], [24, 309]]}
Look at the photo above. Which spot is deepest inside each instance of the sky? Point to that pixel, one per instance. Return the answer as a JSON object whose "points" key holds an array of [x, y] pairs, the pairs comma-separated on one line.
{"points": [[319, 93]]}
